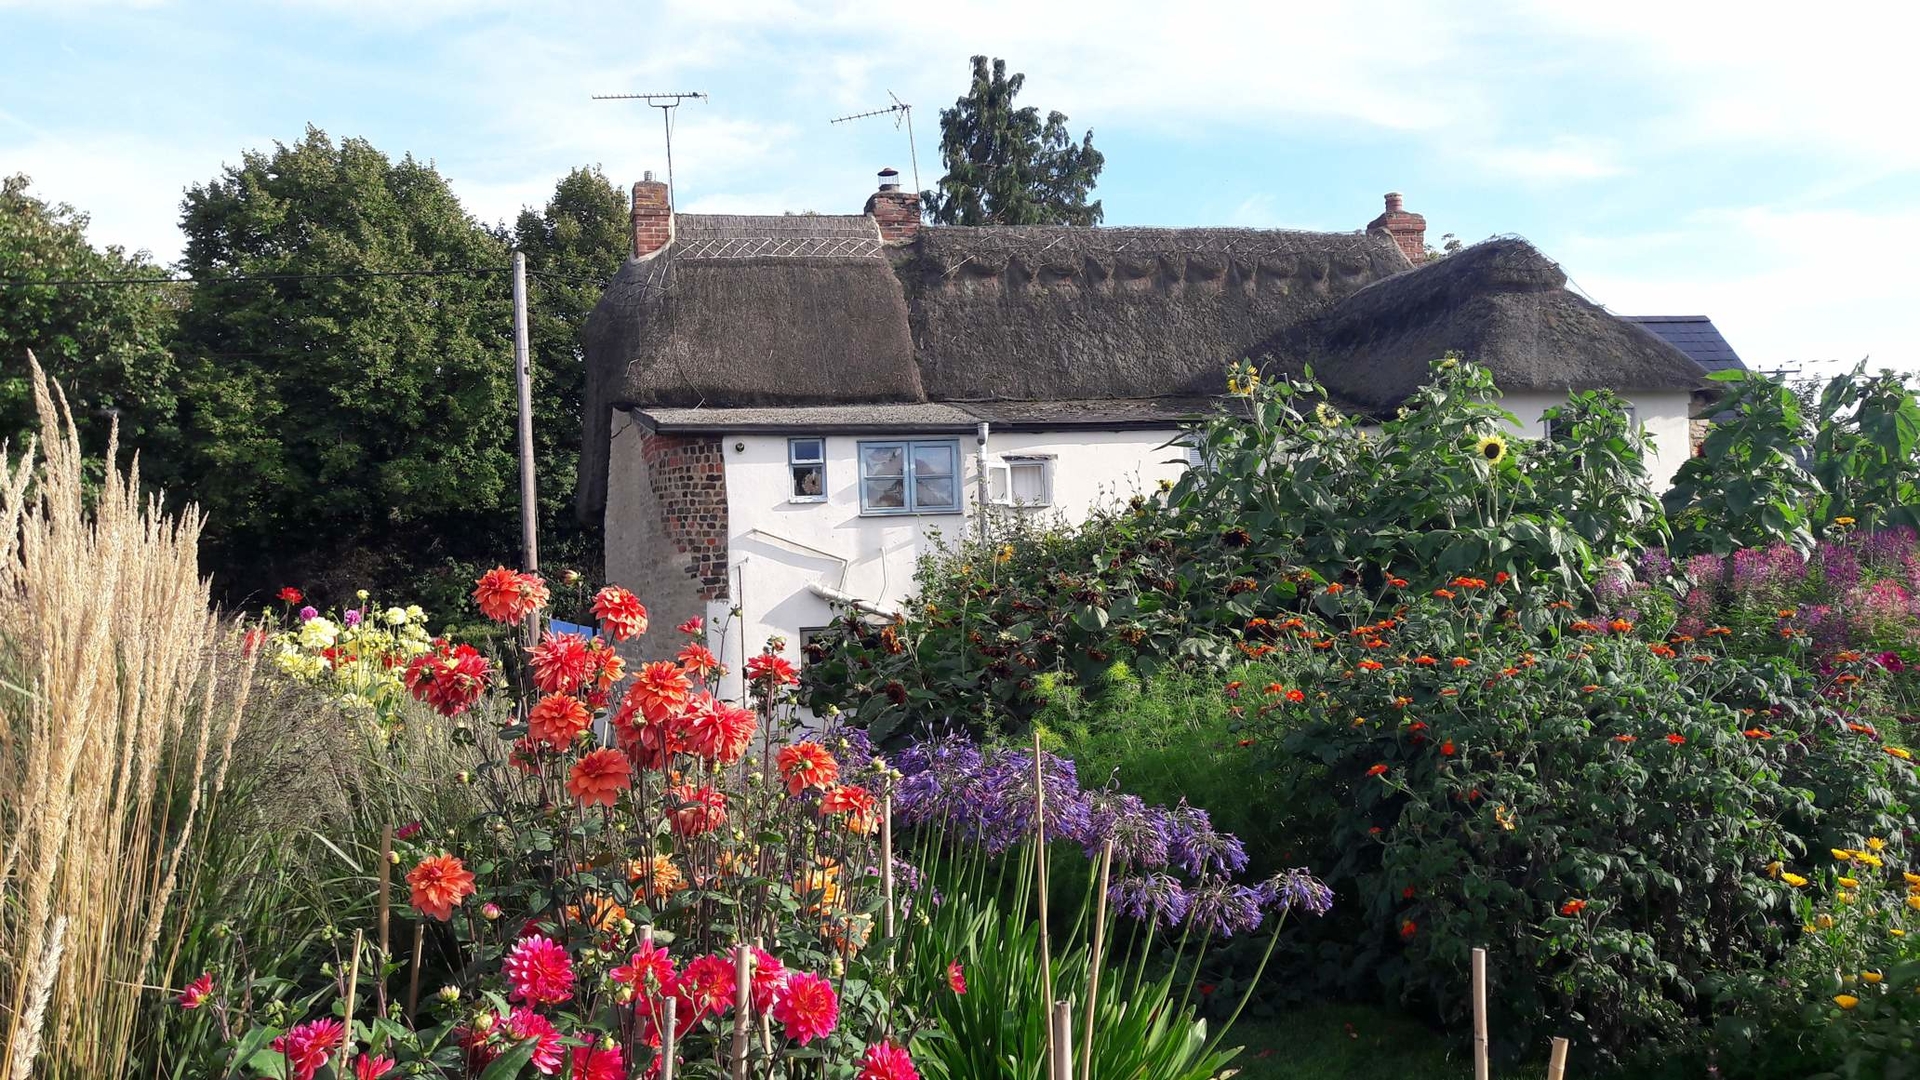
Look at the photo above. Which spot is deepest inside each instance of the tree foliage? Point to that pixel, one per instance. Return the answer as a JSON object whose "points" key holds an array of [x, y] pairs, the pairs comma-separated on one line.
{"points": [[106, 344], [346, 364], [1005, 166]]}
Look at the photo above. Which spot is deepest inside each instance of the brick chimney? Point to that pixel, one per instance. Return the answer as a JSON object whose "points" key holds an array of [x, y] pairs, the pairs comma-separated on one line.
{"points": [[652, 217], [896, 211], [1407, 230]]}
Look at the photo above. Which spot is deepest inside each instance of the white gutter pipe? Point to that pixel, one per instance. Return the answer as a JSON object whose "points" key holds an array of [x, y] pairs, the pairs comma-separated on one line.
{"points": [[836, 596]]}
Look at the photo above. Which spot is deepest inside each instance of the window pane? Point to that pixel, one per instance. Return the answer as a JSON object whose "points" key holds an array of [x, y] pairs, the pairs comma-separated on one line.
{"points": [[999, 488], [884, 494], [885, 459], [932, 459], [933, 492], [809, 481], [804, 450], [1030, 484]]}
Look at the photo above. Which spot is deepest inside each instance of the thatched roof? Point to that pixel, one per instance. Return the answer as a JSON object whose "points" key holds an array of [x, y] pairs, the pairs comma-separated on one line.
{"points": [[1501, 304], [1055, 326]]}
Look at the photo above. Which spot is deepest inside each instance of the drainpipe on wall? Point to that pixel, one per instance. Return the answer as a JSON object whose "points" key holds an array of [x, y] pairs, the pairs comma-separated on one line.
{"points": [[984, 491]]}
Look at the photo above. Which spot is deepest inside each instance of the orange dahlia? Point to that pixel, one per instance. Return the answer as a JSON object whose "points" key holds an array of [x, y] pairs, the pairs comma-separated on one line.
{"points": [[857, 803], [698, 810], [658, 876], [439, 884], [659, 690], [620, 612], [558, 720], [561, 663], [508, 596], [714, 729], [598, 777], [806, 765]]}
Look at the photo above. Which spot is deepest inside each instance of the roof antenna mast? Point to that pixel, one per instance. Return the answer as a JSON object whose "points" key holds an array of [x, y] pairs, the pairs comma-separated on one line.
{"points": [[901, 112], [666, 102]]}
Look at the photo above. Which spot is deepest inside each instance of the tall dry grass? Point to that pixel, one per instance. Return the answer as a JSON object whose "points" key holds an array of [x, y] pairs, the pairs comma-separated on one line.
{"points": [[118, 716]]}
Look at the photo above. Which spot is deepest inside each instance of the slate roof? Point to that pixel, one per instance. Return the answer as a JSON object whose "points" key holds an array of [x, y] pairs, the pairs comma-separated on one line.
{"points": [[1694, 335], [940, 416]]}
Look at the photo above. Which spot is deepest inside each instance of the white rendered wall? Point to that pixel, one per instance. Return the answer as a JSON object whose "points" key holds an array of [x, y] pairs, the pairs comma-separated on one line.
{"points": [[778, 547], [1662, 413]]}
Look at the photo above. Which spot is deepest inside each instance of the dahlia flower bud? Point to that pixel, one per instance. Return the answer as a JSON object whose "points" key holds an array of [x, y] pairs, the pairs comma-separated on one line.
{"points": [[482, 1023], [449, 994], [490, 911]]}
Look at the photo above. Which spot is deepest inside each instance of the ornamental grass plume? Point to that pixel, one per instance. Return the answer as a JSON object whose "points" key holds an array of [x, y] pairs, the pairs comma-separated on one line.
{"points": [[120, 699]]}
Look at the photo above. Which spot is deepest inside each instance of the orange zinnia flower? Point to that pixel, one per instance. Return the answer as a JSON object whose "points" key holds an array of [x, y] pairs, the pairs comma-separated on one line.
{"points": [[1370, 665], [1444, 594], [599, 776], [1446, 748], [1573, 907], [1425, 661], [1378, 770], [1296, 695], [1462, 662], [1336, 588], [806, 765], [1676, 738], [558, 720], [1626, 738], [439, 884], [1620, 626]]}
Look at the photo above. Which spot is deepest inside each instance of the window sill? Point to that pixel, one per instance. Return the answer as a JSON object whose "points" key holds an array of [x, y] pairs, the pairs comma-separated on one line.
{"points": [[955, 512], [808, 500]]}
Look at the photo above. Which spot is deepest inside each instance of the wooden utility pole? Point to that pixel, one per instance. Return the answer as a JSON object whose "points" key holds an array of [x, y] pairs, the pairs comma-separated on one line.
{"points": [[523, 376]]}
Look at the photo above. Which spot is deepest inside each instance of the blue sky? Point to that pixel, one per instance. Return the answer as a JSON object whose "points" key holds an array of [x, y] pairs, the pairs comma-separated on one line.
{"points": [[1676, 157]]}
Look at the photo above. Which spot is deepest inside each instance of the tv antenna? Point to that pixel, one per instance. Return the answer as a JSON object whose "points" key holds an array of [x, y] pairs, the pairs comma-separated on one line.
{"points": [[901, 112], [666, 102]]}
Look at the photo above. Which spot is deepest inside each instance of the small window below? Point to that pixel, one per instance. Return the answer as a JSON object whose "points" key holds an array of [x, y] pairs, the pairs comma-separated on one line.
{"points": [[807, 469], [917, 477], [811, 647], [1021, 480]]}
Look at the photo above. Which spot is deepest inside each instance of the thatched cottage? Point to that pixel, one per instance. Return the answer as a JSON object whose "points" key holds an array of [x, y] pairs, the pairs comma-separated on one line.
{"points": [[783, 411]]}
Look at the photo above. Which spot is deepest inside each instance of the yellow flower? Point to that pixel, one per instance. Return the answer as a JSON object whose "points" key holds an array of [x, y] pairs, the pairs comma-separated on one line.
{"points": [[1912, 878], [1493, 448], [1874, 843], [1900, 752], [1843, 897], [1868, 859], [1848, 883], [1913, 901], [1774, 868], [1807, 929], [1823, 921], [1845, 1001], [1872, 977], [1896, 931], [1841, 854], [1794, 880], [1843, 522]]}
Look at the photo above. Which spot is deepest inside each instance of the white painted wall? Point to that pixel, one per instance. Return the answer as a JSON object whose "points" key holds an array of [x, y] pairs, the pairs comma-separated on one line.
{"points": [[1662, 413], [778, 547]]}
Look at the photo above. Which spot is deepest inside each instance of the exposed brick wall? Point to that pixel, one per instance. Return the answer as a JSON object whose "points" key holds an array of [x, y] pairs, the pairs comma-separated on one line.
{"points": [[1696, 435], [652, 217], [689, 480], [897, 213]]}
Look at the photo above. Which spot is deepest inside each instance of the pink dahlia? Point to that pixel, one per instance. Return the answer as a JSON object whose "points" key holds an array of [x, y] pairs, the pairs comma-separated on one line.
{"points": [[590, 1063], [769, 980], [885, 1061], [197, 991], [307, 1046], [538, 971], [809, 1009], [648, 972], [707, 986], [523, 1024], [369, 1067]]}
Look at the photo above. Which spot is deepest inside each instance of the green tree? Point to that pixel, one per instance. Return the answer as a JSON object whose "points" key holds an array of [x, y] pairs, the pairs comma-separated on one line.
{"points": [[105, 343], [573, 248], [1007, 167], [347, 380]]}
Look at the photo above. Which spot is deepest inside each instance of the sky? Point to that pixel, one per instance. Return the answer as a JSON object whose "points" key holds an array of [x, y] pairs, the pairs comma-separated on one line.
{"points": [[1753, 164]]}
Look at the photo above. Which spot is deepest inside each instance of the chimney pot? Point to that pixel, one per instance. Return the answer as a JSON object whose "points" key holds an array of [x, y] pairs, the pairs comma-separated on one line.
{"points": [[647, 176], [889, 179], [896, 212], [1407, 230]]}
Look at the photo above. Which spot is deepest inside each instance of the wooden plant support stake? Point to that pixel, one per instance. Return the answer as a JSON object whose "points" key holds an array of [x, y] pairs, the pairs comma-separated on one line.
{"points": [[1094, 963], [1557, 1064], [1062, 1041], [742, 1007], [886, 862], [353, 984], [667, 1040], [1480, 1014], [386, 940], [1040, 866], [419, 953]]}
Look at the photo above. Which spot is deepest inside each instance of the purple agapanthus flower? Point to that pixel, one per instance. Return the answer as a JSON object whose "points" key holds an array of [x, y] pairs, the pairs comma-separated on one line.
{"points": [[1150, 897], [1219, 907], [1296, 890], [1198, 848], [937, 775], [1004, 798], [1139, 832]]}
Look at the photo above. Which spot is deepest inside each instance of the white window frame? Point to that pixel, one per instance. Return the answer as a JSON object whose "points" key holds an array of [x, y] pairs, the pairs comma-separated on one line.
{"points": [[1000, 479], [794, 462], [909, 477]]}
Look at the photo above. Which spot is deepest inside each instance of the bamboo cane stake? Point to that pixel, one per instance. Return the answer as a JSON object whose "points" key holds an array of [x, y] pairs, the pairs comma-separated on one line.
{"points": [[1480, 1014], [886, 864], [419, 952], [1094, 961], [353, 985], [1040, 865], [1557, 1064], [667, 1040], [742, 1007], [1062, 1041], [386, 939]]}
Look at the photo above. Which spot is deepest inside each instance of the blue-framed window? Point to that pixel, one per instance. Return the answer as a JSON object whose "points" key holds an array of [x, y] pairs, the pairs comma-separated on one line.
{"points": [[807, 467], [910, 476]]}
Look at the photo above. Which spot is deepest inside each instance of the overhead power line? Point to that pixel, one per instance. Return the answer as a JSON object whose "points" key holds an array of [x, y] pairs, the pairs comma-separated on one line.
{"points": [[335, 274]]}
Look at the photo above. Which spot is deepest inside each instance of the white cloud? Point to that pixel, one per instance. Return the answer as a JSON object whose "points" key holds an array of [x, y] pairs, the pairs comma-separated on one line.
{"points": [[130, 186], [1566, 158]]}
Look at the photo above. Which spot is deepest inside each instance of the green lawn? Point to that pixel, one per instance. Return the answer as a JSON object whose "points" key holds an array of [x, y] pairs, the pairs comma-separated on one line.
{"points": [[1343, 1042]]}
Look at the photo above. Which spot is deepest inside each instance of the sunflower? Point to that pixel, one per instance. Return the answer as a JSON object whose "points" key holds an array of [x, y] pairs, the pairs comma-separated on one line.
{"points": [[1493, 448]]}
